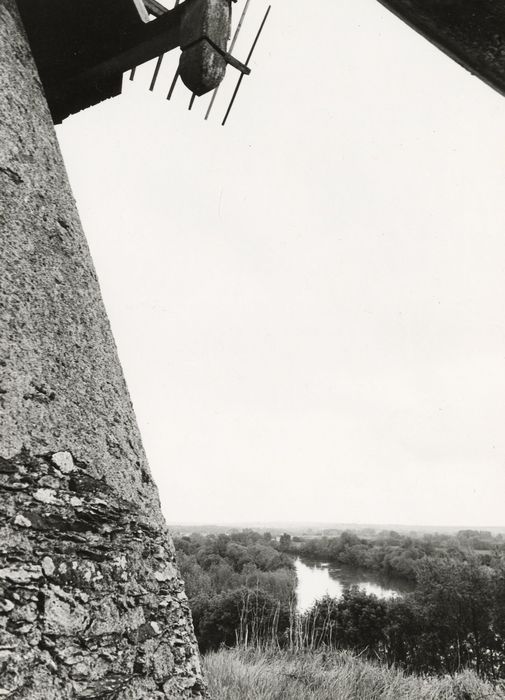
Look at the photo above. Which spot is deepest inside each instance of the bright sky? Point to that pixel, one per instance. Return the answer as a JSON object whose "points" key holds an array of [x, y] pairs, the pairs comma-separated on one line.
{"points": [[309, 304]]}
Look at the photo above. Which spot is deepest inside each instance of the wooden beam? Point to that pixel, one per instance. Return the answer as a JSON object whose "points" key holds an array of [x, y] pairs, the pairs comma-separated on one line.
{"points": [[144, 43], [83, 48], [155, 8]]}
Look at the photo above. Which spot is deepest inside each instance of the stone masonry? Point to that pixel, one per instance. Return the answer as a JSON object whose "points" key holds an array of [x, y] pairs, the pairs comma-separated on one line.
{"points": [[91, 602]]}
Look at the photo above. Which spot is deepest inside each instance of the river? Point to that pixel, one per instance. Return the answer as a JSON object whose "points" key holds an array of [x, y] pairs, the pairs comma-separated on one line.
{"points": [[316, 579]]}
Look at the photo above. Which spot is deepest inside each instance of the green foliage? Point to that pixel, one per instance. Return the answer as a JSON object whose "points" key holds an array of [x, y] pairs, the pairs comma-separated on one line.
{"points": [[285, 542], [453, 620], [240, 586], [242, 590], [241, 616], [394, 554]]}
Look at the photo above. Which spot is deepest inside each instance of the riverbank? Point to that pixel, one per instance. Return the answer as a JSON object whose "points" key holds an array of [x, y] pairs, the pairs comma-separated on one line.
{"points": [[317, 579], [243, 589], [238, 674]]}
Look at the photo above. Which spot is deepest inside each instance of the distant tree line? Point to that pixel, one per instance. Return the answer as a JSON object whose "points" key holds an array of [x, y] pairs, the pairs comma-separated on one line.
{"points": [[394, 554]]}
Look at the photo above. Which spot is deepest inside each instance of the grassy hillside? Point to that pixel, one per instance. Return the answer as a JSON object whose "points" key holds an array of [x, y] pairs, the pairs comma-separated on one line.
{"points": [[276, 675]]}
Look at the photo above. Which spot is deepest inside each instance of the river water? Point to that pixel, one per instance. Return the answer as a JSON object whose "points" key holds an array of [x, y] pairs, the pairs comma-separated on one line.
{"points": [[317, 579]]}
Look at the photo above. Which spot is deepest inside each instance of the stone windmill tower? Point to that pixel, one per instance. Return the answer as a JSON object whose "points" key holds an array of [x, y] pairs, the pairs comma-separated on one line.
{"points": [[91, 602]]}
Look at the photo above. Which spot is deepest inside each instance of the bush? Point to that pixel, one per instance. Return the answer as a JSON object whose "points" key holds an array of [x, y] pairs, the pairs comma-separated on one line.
{"points": [[248, 617]]}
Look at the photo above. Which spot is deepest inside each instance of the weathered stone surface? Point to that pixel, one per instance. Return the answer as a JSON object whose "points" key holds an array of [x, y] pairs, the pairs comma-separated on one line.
{"points": [[84, 611], [64, 461], [90, 596], [61, 386]]}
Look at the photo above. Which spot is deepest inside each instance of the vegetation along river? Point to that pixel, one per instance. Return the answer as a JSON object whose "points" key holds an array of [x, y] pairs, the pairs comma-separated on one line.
{"points": [[317, 579]]}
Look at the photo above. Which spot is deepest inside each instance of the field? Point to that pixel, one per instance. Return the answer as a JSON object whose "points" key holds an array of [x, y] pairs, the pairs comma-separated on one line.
{"points": [[239, 674]]}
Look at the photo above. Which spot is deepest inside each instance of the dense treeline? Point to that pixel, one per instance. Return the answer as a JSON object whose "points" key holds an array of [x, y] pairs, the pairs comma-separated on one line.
{"points": [[454, 619], [394, 554], [242, 590], [237, 584]]}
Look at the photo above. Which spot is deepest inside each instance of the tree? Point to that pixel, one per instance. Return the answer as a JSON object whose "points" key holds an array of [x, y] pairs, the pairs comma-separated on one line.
{"points": [[285, 542], [245, 615], [455, 598]]}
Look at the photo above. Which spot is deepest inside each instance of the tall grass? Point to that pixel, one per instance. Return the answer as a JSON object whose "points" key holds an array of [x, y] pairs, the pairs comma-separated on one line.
{"points": [[273, 674], [259, 625]]}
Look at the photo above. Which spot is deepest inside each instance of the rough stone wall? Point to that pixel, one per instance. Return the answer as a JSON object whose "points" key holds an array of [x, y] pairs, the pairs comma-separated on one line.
{"points": [[90, 599], [88, 586]]}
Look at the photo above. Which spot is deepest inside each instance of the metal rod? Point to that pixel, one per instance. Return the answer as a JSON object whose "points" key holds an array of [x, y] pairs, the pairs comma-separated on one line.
{"points": [[239, 83], [232, 46], [156, 71], [132, 73], [174, 82], [193, 96]]}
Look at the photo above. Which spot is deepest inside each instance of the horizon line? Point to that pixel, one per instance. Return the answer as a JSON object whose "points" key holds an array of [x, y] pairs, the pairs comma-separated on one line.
{"points": [[326, 524]]}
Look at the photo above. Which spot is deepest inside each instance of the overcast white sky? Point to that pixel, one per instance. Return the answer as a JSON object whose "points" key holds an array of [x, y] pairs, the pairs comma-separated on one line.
{"points": [[309, 304]]}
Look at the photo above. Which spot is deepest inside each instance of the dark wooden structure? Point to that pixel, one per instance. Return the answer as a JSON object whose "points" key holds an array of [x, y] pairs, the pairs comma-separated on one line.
{"points": [[472, 32], [83, 47]]}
